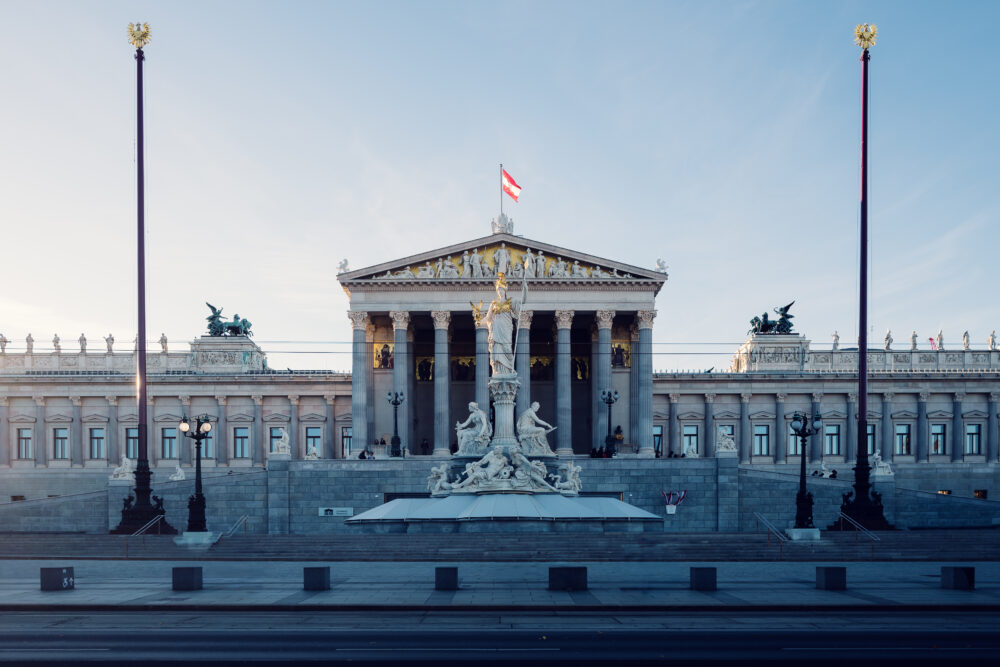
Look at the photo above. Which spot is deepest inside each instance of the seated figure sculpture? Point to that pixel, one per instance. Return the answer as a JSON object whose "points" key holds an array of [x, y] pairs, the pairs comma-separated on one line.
{"points": [[474, 433], [125, 470], [438, 483], [532, 431]]}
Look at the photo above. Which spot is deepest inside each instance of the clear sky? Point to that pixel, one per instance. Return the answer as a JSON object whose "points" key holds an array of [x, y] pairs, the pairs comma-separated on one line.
{"points": [[283, 137]]}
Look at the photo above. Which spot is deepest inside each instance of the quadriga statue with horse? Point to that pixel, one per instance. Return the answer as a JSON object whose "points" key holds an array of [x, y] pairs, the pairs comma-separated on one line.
{"points": [[220, 327], [764, 325]]}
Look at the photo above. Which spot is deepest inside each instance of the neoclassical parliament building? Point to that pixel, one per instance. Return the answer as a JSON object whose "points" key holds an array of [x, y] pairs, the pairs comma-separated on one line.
{"points": [[585, 330]]}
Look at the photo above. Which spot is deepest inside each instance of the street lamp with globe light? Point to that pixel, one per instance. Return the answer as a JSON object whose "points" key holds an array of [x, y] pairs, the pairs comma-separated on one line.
{"points": [[804, 500], [196, 503]]}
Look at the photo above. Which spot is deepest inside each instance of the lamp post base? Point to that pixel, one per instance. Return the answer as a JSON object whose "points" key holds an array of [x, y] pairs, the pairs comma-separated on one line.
{"points": [[802, 534], [134, 518], [195, 539]]}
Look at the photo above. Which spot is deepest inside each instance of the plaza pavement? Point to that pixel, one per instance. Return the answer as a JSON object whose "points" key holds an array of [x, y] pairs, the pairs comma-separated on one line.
{"points": [[401, 586]]}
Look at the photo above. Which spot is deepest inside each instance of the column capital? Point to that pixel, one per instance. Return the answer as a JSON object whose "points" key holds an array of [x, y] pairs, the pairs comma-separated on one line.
{"points": [[887, 396], [442, 318], [710, 398], [359, 319], [852, 397], [780, 397], [293, 399], [524, 319], [564, 319], [258, 399], [817, 396], [329, 398], [76, 401], [674, 398], [923, 395], [185, 400], [994, 396], [222, 400], [112, 400], [745, 397], [959, 396], [645, 318], [3, 401], [604, 318], [39, 401], [400, 319]]}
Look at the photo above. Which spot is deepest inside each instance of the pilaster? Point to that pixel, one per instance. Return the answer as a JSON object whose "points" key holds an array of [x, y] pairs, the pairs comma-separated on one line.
{"points": [[816, 439], [957, 428], [111, 438], [76, 439], [643, 358], [185, 445], [222, 439], [709, 426], [293, 427], [887, 434], [39, 436], [851, 437], [604, 319], [329, 449], [992, 428], [673, 427], [257, 451], [5, 451], [921, 449], [744, 443], [360, 366], [482, 366], [564, 405], [780, 429], [442, 379]]}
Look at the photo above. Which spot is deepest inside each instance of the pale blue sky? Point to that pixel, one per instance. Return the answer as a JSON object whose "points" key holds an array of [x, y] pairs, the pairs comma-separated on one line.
{"points": [[282, 137]]}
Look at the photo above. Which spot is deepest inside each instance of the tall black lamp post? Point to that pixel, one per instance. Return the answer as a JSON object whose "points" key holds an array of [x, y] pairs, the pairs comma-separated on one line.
{"points": [[196, 503], [609, 397], [395, 399], [804, 500]]}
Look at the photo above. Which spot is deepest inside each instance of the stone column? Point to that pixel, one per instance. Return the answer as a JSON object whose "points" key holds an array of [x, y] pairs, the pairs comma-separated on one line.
{"points": [[922, 445], [744, 443], [816, 439], [4, 433], [400, 370], [410, 431], [38, 435], [887, 434], [604, 320], [957, 432], [442, 379], [482, 367], [185, 445], [76, 437], [644, 360], [522, 363], [780, 430], [368, 399], [673, 428], [851, 437], [111, 437], [709, 425], [298, 453], [564, 384], [992, 437], [596, 437], [633, 387], [258, 449], [222, 437], [329, 450], [359, 378]]}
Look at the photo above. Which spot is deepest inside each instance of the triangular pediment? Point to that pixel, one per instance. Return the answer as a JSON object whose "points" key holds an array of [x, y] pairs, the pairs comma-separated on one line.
{"points": [[938, 414], [276, 417], [95, 418], [312, 417], [168, 417], [726, 415], [240, 418], [457, 264], [761, 415], [975, 414], [906, 414]]}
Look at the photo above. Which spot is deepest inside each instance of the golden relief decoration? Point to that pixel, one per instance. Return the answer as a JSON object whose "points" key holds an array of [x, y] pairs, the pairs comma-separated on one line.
{"points": [[138, 34], [621, 354], [383, 355]]}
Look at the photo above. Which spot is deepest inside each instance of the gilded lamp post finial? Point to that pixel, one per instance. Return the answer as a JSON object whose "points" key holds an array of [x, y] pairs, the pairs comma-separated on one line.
{"points": [[138, 34], [865, 35]]}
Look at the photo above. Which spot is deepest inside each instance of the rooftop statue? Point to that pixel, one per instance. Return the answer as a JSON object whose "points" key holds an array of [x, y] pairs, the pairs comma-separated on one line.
{"points": [[220, 327], [764, 325]]}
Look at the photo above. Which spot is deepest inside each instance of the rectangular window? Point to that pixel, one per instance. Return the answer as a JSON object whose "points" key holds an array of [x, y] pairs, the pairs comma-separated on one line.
{"points": [[939, 443], [794, 444], [24, 444], [314, 439], [871, 439], [831, 440], [973, 439], [982, 494], [658, 439], [132, 443], [690, 439], [346, 436], [241, 442], [762, 440], [903, 439], [274, 435], [168, 443], [60, 443], [97, 443], [208, 446]]}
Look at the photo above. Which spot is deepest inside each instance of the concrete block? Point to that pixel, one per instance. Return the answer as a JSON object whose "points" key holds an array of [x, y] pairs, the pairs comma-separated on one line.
{"points": [[703, 579], [567, 578], [446, 578], [57, 579], [958, 578], [187, 578], [831, 578], [316, 578]]}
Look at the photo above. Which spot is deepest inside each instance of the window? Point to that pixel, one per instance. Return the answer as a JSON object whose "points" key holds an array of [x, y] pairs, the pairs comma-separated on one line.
{"points": [[241, 442], [208, 446], [132, 443], [762, 440], [658, 439], [944, 492], [903, 439], [973, 439], [168, 443], [794, 444], [314, 438], [346, 435], [982, 494], [831, 440], [60, 443], [871, 439], [274, 435], [97, 443], [690, 439], [24, 443], [938, 440]]}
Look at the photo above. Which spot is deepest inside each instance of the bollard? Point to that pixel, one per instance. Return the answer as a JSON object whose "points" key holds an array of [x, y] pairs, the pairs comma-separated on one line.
{"points": [[567, 578], [958, 578], [316, 578], [187, 578], [446, 578], [832, 578], [57, 579], [703, 579]]}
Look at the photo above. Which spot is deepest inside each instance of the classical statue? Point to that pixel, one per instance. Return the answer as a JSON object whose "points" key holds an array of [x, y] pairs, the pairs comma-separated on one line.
{"points": [[940, 340], [661, 266], [83, 344], [763, 325], [219, 327], [282, 446], [476, 261], [125, 470], [438, 483], [531, 432], [888, 339], [55, 343], [163, 342], [425, 271], [965, 341], [30, 344], [913, 341], [342, 266], [312, 454], [577, 271], [528, 473], [529, 264], [836, 341], [178, 474], [474, 433], [466, 266], [784, 323], [991, 342], [3, 344], [109, 340], [724, 442], [492, 467], [501, 260], [568, 478], [540, 265], [500, 322], [216, 327]]}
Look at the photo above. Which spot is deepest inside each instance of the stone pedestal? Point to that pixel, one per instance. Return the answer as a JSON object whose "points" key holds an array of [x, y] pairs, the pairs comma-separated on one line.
{"points": [[771, 352], [195, 539], [802, 534], [227, 354], [503, 388]]}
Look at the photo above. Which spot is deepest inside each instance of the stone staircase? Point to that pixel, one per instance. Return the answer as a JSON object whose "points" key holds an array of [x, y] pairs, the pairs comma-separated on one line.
{"points": [[929, 545]]}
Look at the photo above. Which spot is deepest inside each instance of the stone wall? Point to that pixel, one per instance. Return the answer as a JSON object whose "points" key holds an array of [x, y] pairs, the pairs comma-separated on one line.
{"points": [[77, 513], [921, 509]]}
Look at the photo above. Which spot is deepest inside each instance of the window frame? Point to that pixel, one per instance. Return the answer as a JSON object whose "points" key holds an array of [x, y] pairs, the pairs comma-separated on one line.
{"points": [[793, 443], [978, 433], [902, 447], [318, 444], [172, 440], [760, 439], [686, 438], [100, 442], [131, 442], [933, 442], [241, 442], [346, 439], [25, 444], [832, 436], [60, 443]]}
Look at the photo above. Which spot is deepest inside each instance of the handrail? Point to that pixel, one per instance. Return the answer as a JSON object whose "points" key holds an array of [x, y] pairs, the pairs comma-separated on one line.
{"points": [[232, 529], [142, 531], [858, 531], [761, 519]]}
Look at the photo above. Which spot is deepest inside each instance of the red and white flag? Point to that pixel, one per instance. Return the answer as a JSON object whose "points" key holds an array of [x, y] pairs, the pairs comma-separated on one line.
{"points": [[509, 185], [933, 343]]}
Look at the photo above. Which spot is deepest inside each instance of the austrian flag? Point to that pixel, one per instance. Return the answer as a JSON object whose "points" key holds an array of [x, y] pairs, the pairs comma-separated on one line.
{"points": [[509, 185]]}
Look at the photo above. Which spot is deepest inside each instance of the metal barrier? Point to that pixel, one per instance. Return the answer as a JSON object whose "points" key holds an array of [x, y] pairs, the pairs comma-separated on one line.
{"points": [[155, 521]]}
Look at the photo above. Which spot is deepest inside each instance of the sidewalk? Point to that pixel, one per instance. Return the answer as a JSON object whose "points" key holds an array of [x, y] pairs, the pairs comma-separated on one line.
{"points": [[256, 586]]}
